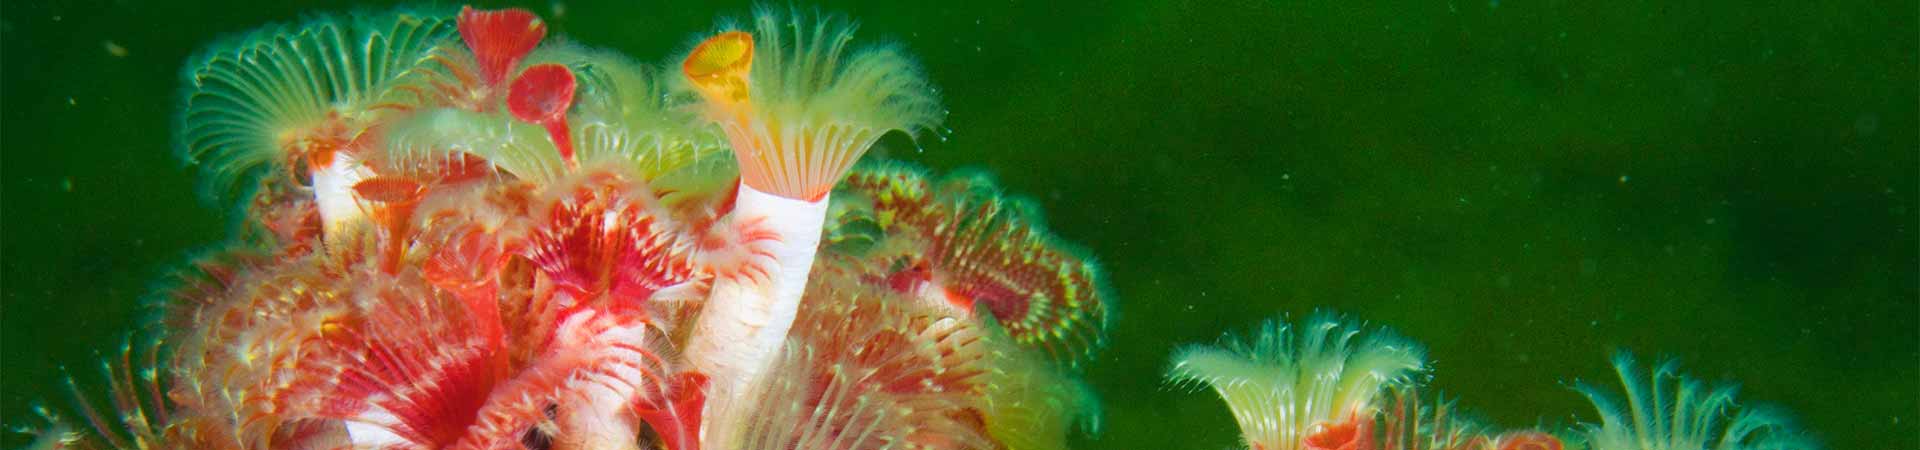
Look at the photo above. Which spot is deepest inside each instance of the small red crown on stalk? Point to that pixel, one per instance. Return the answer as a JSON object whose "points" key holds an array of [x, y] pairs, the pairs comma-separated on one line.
{"points": [[541, 96], [396, 198], [499, 38]]}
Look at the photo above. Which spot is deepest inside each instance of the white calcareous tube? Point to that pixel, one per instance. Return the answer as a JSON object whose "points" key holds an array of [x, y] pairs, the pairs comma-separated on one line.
{"points": [[333, 194], [373, 429], [597, 417], [746, 319]]}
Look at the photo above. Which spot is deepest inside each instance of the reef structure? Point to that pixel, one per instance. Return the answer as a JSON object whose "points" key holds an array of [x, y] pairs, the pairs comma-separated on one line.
{"points": [[457, 233]]}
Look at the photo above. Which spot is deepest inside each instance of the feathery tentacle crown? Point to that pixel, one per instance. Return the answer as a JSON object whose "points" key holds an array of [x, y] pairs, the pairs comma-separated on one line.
{"points": [[499, 39], [285, 94], [961, 243], [571, 109], [1288, 383], [1671, 411], [626, 113], [1407, 422], [798, 106], [138, 416], [865, 369], [1031, 404]]}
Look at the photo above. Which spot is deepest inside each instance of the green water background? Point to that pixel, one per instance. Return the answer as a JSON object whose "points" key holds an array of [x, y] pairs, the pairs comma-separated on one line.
{"points": [[1522, 186]]}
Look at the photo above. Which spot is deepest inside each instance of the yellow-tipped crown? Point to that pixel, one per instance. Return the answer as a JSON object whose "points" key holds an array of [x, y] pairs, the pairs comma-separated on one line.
{"points": [[799, 107], [719, 68]]}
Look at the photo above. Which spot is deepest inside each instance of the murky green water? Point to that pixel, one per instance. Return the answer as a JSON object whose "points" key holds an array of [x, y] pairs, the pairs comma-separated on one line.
{"points": [[1521, 186]]}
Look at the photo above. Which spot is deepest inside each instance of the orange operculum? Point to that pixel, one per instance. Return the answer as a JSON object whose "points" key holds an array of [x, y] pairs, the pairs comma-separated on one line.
{"points": [[719, 66], [317, 146], [1356, 433], [499, 38], [388, 189], [397, 197]]}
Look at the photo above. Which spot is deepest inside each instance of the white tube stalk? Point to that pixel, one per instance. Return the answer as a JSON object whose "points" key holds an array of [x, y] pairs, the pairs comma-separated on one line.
{"points": [[746, 319], [600, 416], [334, 197], [374, 429], [600, 421]]}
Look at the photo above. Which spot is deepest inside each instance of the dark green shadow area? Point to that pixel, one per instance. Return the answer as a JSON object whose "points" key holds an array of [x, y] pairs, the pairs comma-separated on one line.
{"points": [[1522, 186]]}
